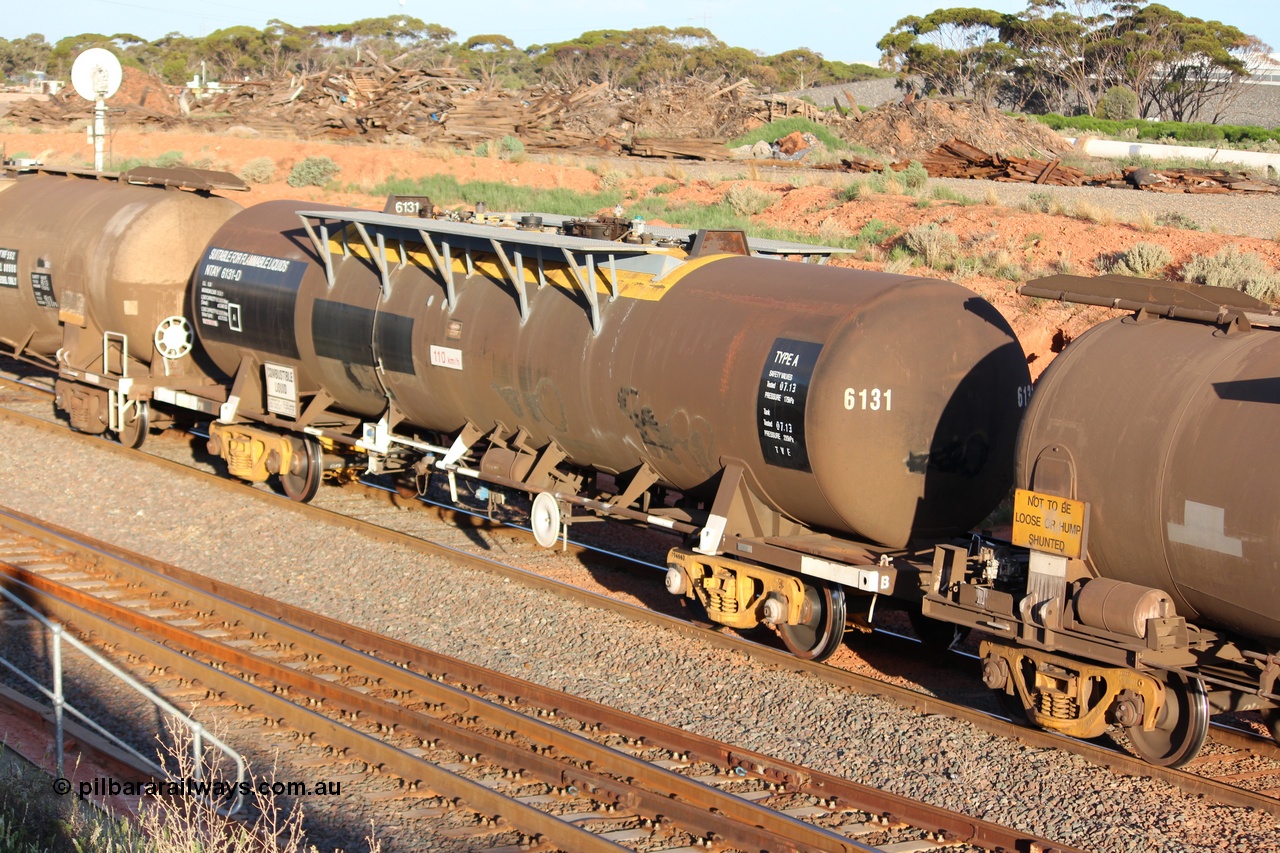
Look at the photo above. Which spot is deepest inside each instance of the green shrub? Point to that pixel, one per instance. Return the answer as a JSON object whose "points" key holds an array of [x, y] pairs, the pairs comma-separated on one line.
{"points": [[1178, 220], [1038, 202], [948, 194], [779, 128], [1235, 269], [509, 145], [169, 159], [612, 179], [852, 192], [746, 200], [914, 177], [259, 170], [1118, 104], [931, 243], [886, 182], [313, 172], [1145, 260], [1190, 132], [876, 232]]}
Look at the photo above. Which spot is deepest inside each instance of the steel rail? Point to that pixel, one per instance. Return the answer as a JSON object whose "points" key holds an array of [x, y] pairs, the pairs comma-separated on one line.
{"points": [[523, 817], [296, 625], [1109, 757], [701, 810]]}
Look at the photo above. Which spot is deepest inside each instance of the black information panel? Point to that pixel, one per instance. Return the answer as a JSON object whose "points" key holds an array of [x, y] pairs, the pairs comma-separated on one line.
{"points": [[249, 300], [784, 387], [8, 267], [42, 288]]}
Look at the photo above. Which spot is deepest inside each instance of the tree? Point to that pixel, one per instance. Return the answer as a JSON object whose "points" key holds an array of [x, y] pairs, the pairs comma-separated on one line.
{"points": [[1180, 66], [65, 50], [22, 56], [797, 69], [491, 57], [955, 51], [1067, 52]]}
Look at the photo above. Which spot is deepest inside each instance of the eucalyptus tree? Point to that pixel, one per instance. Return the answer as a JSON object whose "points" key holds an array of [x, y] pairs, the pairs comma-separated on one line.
{"points": [[954, 51]]}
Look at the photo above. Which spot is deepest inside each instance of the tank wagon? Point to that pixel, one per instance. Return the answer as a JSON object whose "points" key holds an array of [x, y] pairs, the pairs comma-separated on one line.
{"points": [[1151, 594], [93, 279], [816, 436], [775, 413]]}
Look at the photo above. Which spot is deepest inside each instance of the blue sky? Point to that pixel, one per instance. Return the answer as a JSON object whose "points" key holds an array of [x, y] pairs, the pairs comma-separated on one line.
{"points": [[845, 31]]}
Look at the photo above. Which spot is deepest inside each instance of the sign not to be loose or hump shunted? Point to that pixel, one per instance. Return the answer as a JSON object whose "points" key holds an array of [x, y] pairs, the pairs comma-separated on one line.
{"points": [[1050, 524]]}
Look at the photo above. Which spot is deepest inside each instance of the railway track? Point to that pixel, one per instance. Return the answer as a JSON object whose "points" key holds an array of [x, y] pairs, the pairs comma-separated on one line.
{"points": [[557, 769], [1237, 768]]}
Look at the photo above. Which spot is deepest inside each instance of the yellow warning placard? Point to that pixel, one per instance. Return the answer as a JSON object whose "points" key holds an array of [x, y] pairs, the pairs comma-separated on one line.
{"points": [[1049, 523]]}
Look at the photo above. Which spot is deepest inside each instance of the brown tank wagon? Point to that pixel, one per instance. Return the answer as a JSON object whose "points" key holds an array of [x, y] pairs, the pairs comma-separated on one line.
{"points": [[784, 402], [93, 277], [1158, 427], [814, 434]]}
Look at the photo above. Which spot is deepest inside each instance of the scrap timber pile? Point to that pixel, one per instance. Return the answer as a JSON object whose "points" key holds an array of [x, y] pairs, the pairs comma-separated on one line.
{"points": [[371, 98], [377, 100], [1178, 180], [141, 99], [693, 119], [957, 159]]}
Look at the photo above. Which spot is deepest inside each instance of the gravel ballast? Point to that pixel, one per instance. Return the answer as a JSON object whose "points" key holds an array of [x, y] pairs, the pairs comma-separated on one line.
{"points": [[607, 658]]}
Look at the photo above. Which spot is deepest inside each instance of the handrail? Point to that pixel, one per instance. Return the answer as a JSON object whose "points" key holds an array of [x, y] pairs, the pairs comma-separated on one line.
{"points": [[199, 734]]}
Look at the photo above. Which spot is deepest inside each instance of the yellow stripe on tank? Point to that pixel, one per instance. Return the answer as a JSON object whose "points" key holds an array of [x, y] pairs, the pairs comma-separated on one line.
{"points": [[631, 285]]}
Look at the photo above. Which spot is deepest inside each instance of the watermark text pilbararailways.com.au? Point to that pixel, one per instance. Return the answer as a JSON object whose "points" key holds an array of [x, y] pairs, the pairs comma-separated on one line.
{"points": [[102, 786]]}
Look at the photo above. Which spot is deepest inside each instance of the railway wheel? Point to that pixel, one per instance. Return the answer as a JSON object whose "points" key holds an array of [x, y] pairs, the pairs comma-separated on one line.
{"points": [[302, 480], [134, 423], [822, 623], [1182, 727]]}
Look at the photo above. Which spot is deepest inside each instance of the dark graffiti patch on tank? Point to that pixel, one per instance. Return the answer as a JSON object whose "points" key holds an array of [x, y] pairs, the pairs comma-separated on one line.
{"points": [[966, 457], [784, 388], [673, 436], [248, 300], [8, 267], [643, 419], [42, 289]]}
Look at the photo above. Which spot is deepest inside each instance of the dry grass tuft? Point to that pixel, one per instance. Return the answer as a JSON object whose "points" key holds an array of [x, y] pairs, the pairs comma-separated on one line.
{"points": [[746, 200], [676, 174], [1093, 213]]}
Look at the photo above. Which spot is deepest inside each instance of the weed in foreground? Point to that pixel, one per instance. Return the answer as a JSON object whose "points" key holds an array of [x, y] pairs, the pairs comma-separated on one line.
{"points": [[1235, 269], [612, 179], [1093, 213], [1175, 219], [934, 245], [852, 192], [259, 170], [313, 172], [746, 200], [1144, 260]]}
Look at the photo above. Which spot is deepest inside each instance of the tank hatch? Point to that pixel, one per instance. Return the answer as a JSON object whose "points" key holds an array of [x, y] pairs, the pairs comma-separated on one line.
{"points": [[184, 178], [1175, 299]]}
